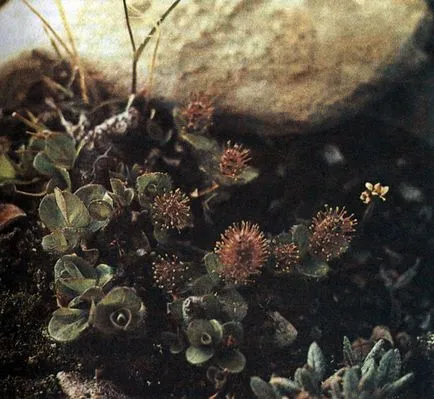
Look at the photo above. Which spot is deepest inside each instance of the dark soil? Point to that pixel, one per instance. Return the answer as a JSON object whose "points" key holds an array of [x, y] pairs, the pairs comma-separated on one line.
{"points": [[295, 182]]}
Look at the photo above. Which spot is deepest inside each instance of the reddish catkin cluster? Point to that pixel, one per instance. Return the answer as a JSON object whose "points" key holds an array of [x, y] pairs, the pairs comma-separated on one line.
{"points": [[332, 231], [170, 273], [287, 256], [171, 210], [199, 112], [242, 251], [234, 160]]}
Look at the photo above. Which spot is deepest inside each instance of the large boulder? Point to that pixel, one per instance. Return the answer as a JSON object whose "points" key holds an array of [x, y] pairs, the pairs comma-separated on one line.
{"points": [[274, 66]]}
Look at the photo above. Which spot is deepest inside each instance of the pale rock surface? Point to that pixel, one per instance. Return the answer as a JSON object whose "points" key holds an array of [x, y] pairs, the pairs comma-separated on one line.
{"points": [[274, 66]]}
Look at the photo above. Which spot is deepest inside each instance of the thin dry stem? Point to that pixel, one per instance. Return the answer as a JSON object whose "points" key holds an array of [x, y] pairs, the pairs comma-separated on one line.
{"points": [[57, 86], [34, 125], [29, 194]]}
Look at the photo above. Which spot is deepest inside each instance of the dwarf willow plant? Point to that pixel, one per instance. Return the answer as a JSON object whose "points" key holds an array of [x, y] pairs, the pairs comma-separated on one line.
{"points": [[72, 217], [85, 301], [49, 155], [210, 326], [378, 376]]}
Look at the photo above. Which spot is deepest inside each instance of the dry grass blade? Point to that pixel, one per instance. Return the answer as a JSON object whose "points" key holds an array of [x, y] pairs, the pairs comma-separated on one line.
{"points": [[49, 27], [70, 50], [76, 58], [153, 61], [154, 29], [52, 42], [137, 52]]}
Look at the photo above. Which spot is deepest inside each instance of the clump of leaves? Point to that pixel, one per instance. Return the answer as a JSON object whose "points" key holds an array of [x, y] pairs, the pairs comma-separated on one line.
{"points": [[376, 377], [197, 116], [74, 216], [210, 326], [50, 154], [74, 275], [308, 250], [226, 166], [241, 253], [151, 184], [80, 291], [56, 159], [223, 168]]}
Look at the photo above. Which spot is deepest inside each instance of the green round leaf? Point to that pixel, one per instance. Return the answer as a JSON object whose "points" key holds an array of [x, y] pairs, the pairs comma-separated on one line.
{"points": [[7, 169], [73, 267], [246, 176], [50, 213], [233, 303], [63, 209], [99, 203], [105, 274], [43, 164], [60, 148], [68, 324], [93, 192], [150, 185], [313, 267], [213, 266], [161, 235], [262, 389], [203, 285], [201, 143], [231, 360], [117, 185], [202, 332], [120, 310], [123, 195], [100, 210], [59, 179], [55, 242], [73, 275], [199, 355], [300, 237], [61, 241], [92, 294]]}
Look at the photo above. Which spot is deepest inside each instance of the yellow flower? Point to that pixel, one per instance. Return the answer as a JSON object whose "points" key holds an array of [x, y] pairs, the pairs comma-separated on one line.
{"points": [[374, 190]]}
